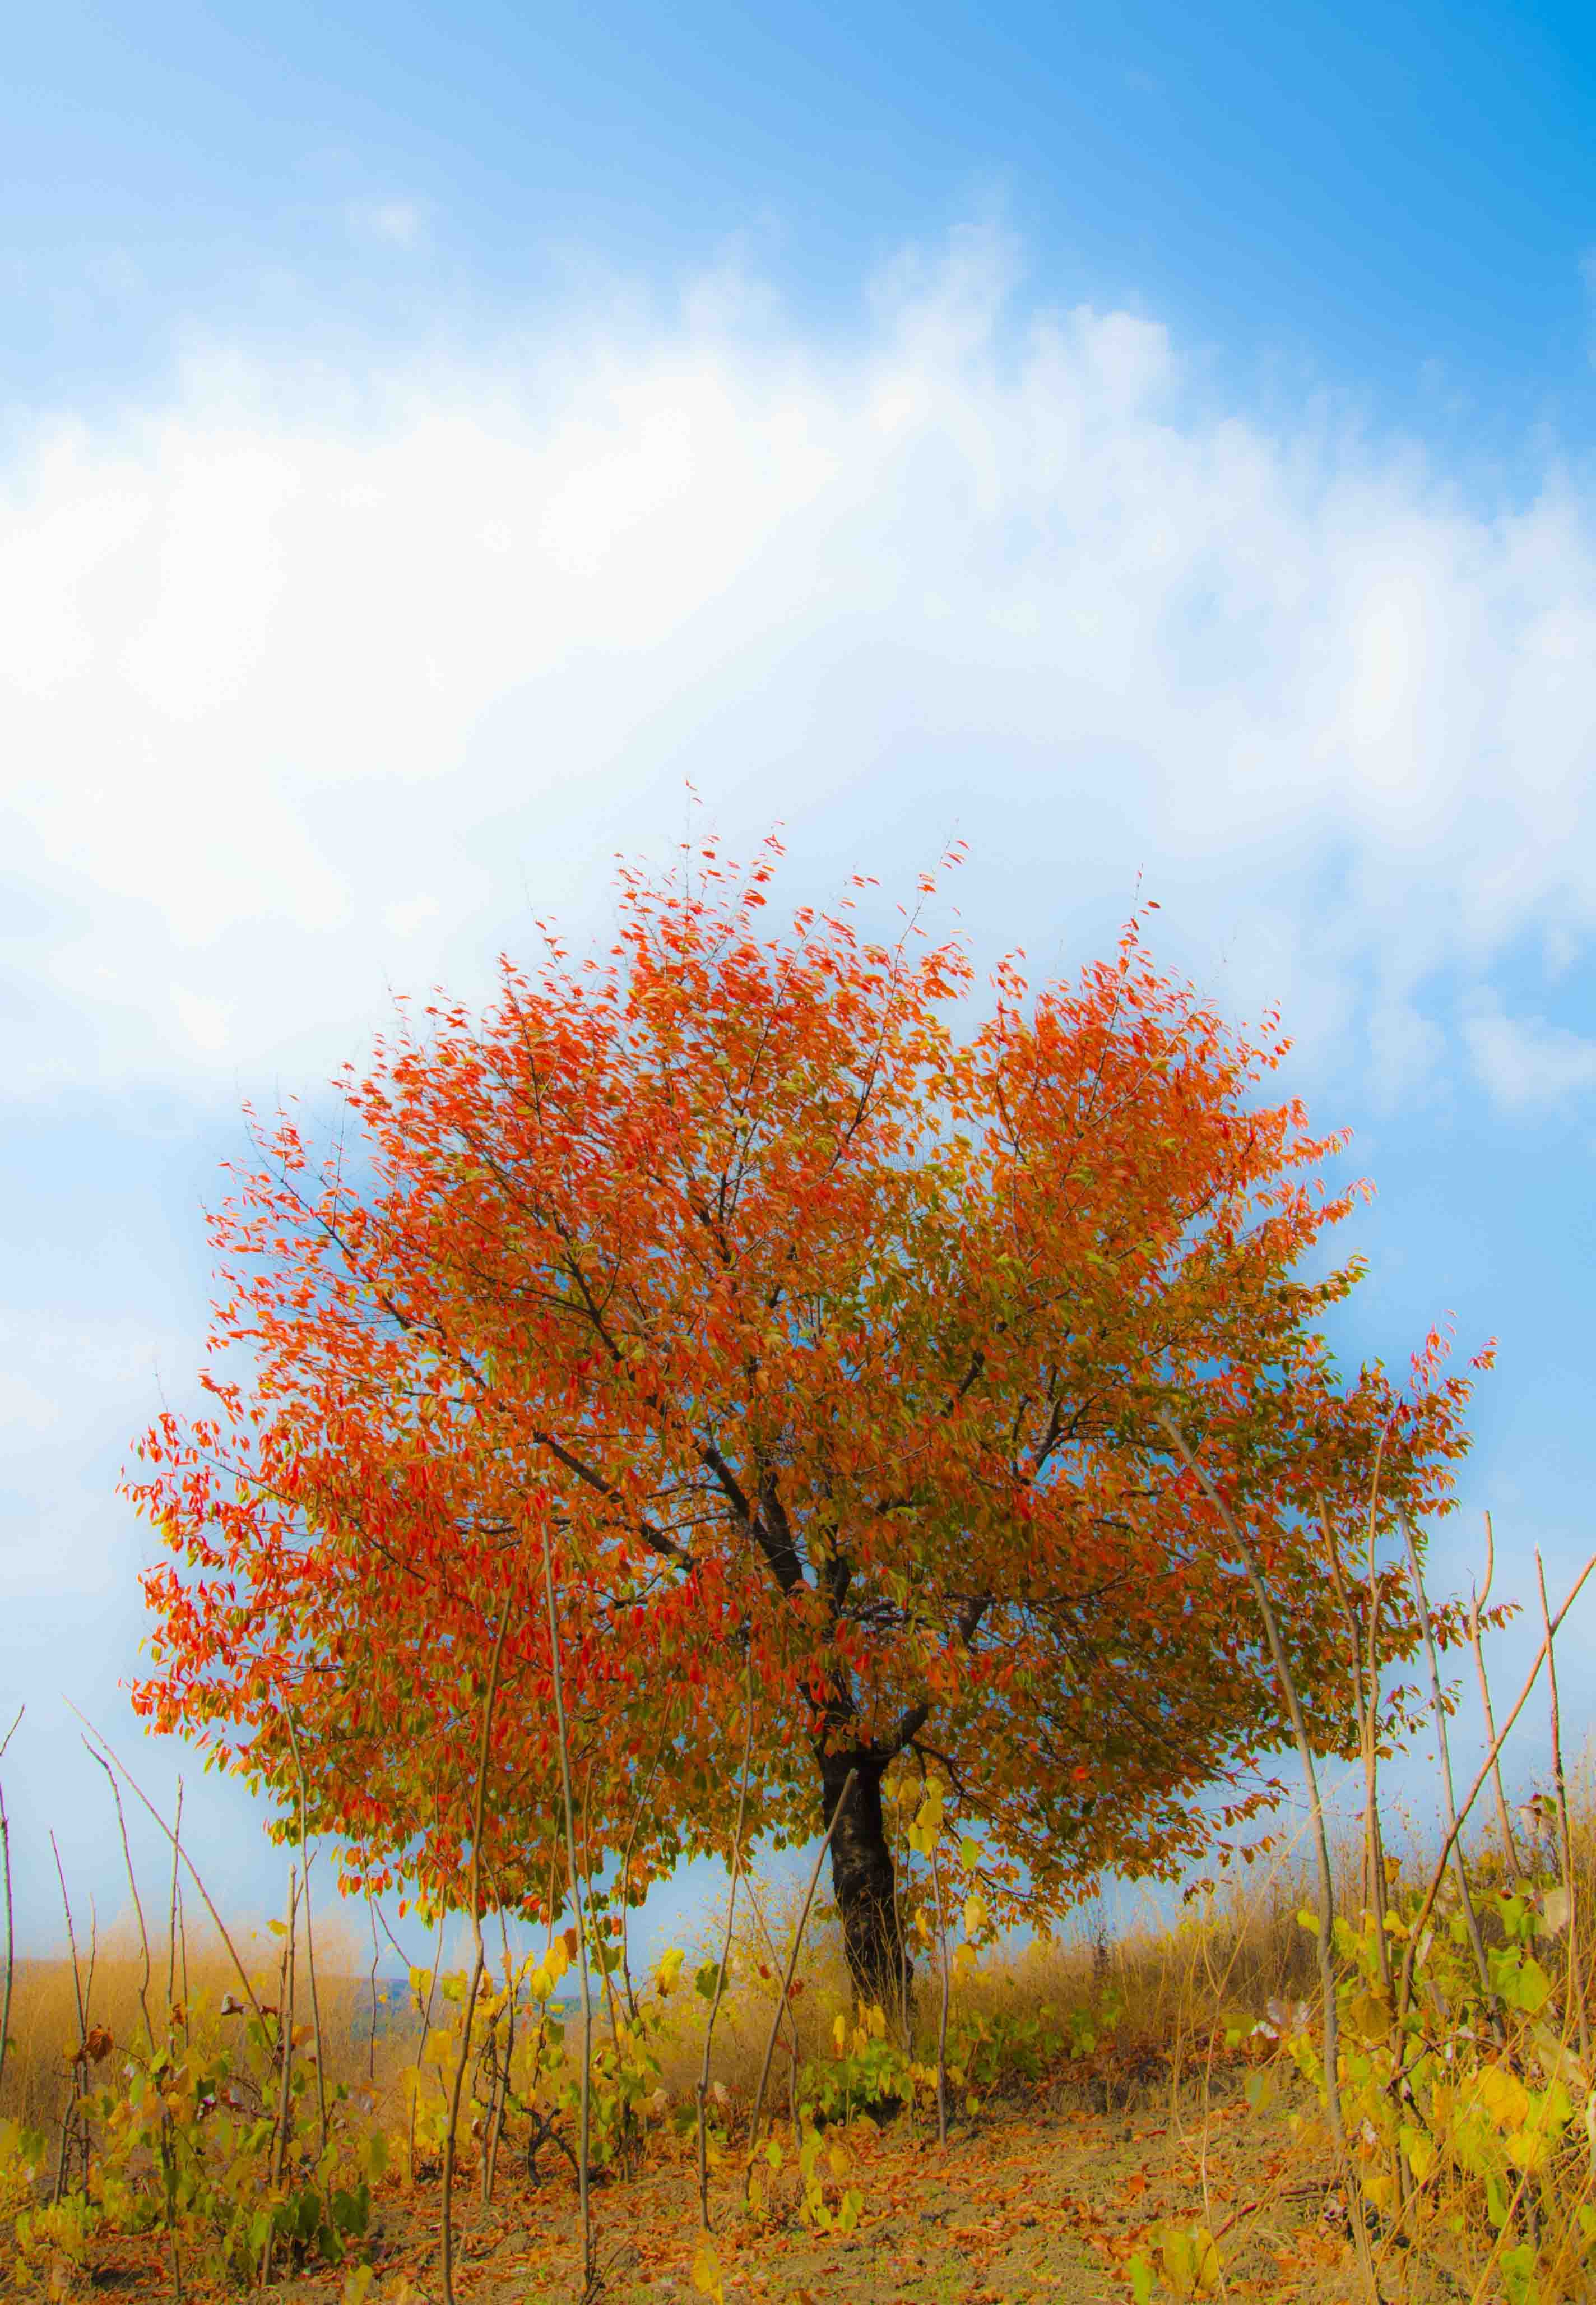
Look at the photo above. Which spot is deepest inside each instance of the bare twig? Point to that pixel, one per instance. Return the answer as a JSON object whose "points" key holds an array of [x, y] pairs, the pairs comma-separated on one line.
{"points": [[376, 1956], [1327, 1888], [942, 2013], [298, 1770], [561, 1725], [11, 1946], [172, 1916], [286, 2075], [69, 2117], [478, 1952], [1504, 1822], [1438, 1873], [179, 1851], [1459, 1869], [1576, 1983], [726, 1950], [786, 1982], [1366, 1698], [132, 1883]]}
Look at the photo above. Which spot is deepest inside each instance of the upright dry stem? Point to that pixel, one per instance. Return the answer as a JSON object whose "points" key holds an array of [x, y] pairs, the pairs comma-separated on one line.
{"points": [[69, 2116], [178, 1851], [10, 1942], [1504, 1822], [1365, 1697], [286, 2065], [1443, 1745], [786, 1982], [1576, 1986], [581, 1940], [1439, 1872], [1326, 1887], [725, 1948], [942, 2014], [376, 1956], [299, 1770], [172, 1916], [478, 1956], [132, 1883]]}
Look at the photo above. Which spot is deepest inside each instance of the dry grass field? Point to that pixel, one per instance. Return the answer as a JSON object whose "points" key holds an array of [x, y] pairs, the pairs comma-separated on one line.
{"points": [[1129, 2116]]}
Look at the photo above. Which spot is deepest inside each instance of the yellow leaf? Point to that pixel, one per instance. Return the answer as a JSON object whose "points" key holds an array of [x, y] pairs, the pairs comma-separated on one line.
{"points": [[837, 2161], [1504, 2097], [669, 1968], [440, 2046], [706, 2272], [975, 1916], [839, 2032]]}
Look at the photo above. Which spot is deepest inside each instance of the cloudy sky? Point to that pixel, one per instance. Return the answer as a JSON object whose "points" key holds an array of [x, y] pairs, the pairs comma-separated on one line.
{"points": [[1152, 443]]}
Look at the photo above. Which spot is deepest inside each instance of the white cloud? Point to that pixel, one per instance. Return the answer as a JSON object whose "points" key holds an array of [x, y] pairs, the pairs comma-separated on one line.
{"points": [[403, 919], [23, 1408], [203, 1018], [287, 636], [1522, 1061], [402, 224]]}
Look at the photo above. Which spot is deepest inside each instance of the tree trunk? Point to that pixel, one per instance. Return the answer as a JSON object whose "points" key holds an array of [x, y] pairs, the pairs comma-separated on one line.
{"points": [[862, 1876]]}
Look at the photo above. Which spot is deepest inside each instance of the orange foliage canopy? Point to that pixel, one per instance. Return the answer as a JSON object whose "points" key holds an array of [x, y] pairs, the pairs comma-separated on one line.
{"points": [[829, 1336]]}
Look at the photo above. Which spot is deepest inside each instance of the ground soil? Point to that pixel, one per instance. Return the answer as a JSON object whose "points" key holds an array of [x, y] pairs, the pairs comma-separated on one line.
{"points": [[1045, 2195]]}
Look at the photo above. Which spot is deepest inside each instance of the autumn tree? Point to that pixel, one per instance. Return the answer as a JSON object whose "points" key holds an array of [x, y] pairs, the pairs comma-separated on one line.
{"points": [[830, 1331]]}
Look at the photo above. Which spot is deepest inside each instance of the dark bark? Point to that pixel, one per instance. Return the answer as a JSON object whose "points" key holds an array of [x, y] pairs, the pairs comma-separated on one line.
{"points": [[862, 1875]]}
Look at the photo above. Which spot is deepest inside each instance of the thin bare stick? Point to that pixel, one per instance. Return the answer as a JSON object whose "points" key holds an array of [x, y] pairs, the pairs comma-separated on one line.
{"points": [[764, 1925], [1504, 1822], [69, 2117], [786, 1982], [478, 1956], [625, 1878], [1366, 1700], [376, 1956], [172, 1922], [132, 1883], [1327, 1888], [581, 1939], [126, 1775], [725, 1949], [1576, 1983], [502, 2065], [942, 2014], [1374, 1842], [285, 2055], [10, 1941], [298, 1770], [1460, 1872], [1416, 1928], [426, 2017], [71, 1939]]}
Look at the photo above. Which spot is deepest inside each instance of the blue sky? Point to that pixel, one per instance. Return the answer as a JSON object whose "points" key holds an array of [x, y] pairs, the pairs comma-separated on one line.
{"points": [[1148, 441]]}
